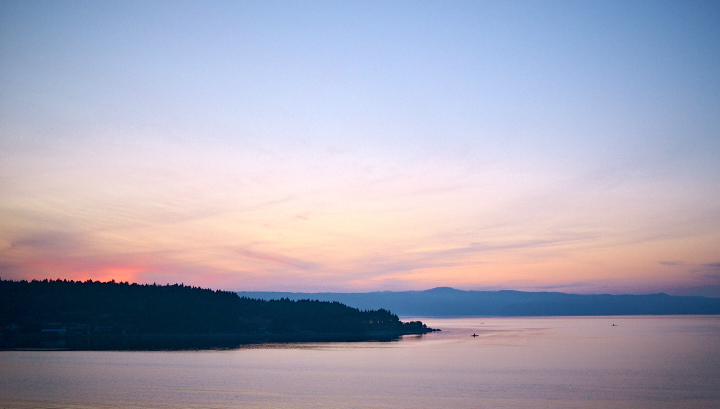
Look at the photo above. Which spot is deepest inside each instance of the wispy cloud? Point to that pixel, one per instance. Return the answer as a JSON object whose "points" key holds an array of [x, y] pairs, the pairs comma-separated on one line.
{"points": [[671, 263], [711, 271], [49, 242], [277, 259]]}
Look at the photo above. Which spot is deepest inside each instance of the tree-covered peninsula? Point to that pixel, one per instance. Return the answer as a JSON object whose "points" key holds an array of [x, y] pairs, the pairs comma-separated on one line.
{"points": [[110, 315]]}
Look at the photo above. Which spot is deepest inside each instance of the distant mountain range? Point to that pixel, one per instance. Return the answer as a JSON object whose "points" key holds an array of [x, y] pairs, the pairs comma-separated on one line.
{"points": [[450, 302]]}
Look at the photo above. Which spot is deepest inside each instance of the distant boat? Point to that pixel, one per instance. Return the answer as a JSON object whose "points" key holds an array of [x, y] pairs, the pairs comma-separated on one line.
{"points": [[474, 335], [614, 325]]}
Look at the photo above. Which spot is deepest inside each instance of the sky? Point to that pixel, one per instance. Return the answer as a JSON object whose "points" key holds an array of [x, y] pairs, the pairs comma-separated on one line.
{"points": [[363, 145]]}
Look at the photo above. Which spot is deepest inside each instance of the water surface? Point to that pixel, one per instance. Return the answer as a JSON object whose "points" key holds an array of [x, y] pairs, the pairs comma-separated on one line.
{"points": [[573, 362]]}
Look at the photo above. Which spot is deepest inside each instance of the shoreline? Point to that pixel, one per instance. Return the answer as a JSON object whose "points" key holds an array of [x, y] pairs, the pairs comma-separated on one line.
{"points": [[159, 342]]}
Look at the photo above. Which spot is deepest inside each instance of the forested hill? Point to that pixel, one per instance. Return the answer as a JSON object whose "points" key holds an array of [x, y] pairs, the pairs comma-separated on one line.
{"points": [[123, 308], [450, 302]]}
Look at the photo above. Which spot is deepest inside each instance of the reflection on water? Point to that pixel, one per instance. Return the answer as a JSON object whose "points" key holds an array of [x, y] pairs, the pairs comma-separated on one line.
{"points": [[579, 362]]}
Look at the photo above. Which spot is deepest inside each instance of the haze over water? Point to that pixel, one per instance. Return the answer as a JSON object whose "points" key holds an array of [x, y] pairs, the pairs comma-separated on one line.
{"points": [[555, 362]]}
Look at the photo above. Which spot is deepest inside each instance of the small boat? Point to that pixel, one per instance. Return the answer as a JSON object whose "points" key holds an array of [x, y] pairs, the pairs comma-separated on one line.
{"points": [[475, 335], [614, 325]]}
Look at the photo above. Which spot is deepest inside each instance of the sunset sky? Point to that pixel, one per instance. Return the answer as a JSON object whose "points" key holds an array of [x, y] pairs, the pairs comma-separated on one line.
{"points": [[363, 146]]}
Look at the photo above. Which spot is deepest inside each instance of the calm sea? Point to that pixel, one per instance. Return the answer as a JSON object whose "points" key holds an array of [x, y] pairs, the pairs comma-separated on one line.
{"points": [[560, 362]]}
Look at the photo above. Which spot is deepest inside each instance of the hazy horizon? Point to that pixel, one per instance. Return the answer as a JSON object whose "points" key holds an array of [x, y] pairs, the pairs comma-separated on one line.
{"points": [[363, 146], [709, 293]]}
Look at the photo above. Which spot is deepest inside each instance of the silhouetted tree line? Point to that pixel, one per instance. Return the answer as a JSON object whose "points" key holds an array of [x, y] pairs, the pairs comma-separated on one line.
{"points": [[126, 308]]}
